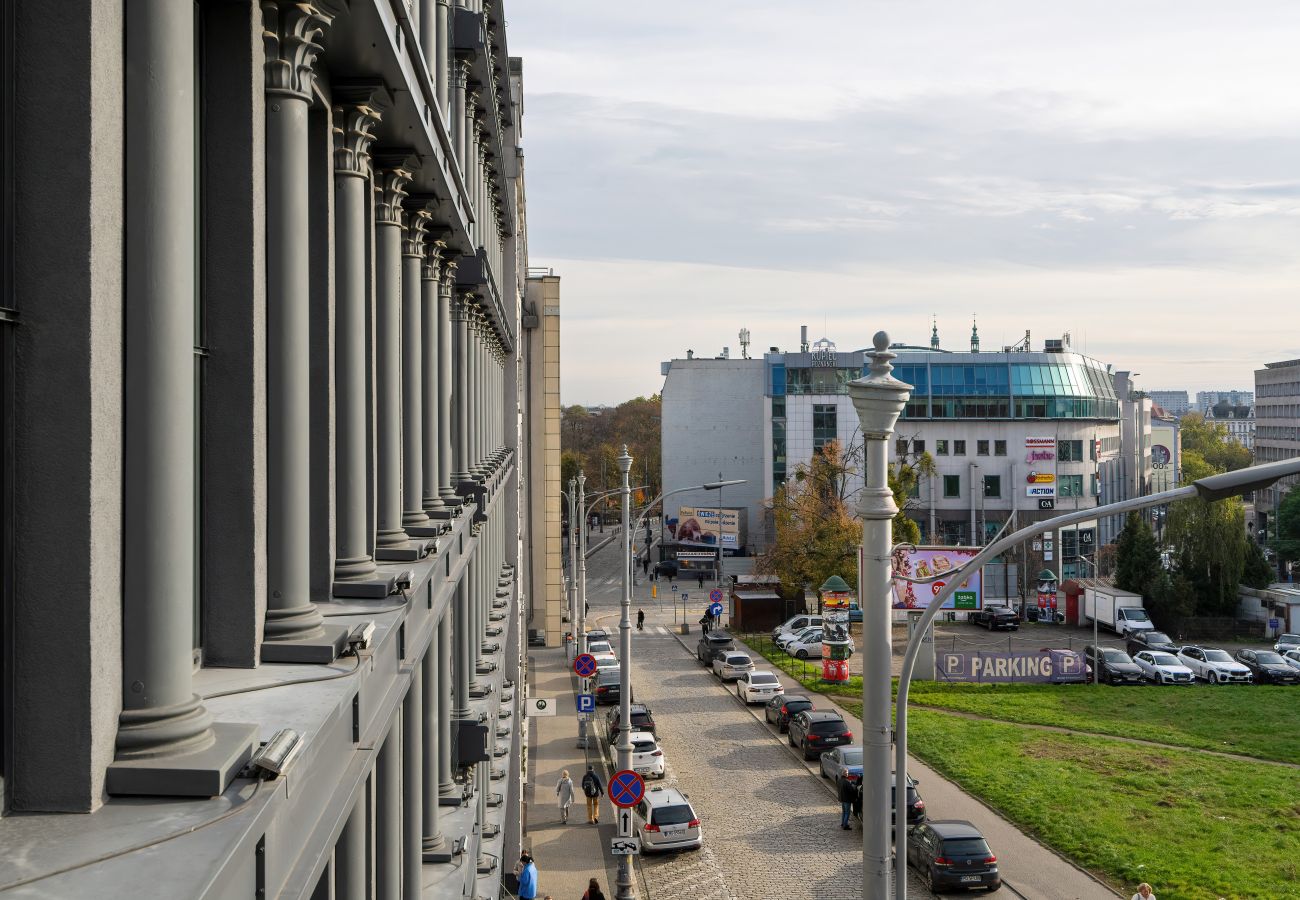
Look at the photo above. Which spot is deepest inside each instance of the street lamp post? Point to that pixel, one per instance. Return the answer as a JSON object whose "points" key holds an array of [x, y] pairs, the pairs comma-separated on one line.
{"points": [[879, 399], [624, 886], [1216, 487], [582, 589], [572, 497]]}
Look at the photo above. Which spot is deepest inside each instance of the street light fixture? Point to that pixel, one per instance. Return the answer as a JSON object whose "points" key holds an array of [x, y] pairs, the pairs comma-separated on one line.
{"points": [[624, 885]]}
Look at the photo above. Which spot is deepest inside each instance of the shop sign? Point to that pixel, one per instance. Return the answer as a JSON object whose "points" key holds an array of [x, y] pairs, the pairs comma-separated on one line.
{"points": [[1041, 478], [923, 562], [1040, 456], [985, 666], [1041, 490], [1040, 443]]}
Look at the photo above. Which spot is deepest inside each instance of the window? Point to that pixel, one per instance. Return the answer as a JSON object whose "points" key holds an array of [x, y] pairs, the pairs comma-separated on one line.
{"points": [[958, 448], [901, 448], [1070, 485], [778, 407], [918, 446], [915, 490], [999, 448], [1069, 451], [992, 485], [778, 380], [952, 485], [778, 455], [941, 448], [1095, 485], [824, 425], [981, 448], [1092, 450]]}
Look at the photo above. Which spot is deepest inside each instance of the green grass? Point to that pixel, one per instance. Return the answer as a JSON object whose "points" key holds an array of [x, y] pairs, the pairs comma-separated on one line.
{"points": [[1192, 825], [807, 672]]}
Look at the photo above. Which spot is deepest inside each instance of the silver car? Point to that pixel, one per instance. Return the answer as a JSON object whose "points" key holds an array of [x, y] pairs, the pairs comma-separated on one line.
{"points": [[731, 665], [665, 820]]}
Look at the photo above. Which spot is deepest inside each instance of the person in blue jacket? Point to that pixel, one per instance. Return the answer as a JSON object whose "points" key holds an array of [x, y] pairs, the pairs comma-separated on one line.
{"points": [[527, 878]]}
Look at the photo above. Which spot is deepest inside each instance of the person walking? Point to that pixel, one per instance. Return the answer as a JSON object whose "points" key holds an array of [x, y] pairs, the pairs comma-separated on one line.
{"points": [[592, 788], [564, 791], [1144, 892], [701, 577], [526, 871], [848, 793], [640, 620], [593, 891]]}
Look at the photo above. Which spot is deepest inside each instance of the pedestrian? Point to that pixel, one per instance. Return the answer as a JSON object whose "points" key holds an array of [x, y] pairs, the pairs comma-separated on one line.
{"points": [[593, 891], [564, 791], [640, 619], [1144, 892], [701, 577], [704, 623], [527, 874], [592, 788], [848, 793], [645, 565], [586, 608]]}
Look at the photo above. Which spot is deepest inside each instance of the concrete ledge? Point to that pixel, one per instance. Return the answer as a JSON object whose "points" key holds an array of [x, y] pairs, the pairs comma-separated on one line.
{"points": [[205, 773]]}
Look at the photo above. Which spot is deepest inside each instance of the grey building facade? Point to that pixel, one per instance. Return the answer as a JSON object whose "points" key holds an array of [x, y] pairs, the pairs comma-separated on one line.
{"points": [[1173, 402], [1277, 432], [259, 356]]}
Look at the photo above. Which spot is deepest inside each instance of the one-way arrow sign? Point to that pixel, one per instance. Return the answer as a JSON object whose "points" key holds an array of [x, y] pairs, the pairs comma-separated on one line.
{"points": [[625, 823]]}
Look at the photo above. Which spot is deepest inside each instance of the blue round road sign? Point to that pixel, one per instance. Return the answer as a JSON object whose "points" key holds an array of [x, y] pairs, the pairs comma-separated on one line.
{"points": [[715, 610], [585, 665], [626, 788]]}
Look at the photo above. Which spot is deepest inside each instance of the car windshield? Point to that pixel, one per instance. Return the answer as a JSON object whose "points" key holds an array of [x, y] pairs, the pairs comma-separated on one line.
{"points": [[1269, 658], [737, 660], [1133, 614], [672, 815], [1116, 656], [827, 726], [853, 756], [1217, 656], [599, 647], [1158, 637], [762, 678], [966, 847], [1164, 659], [1289, 639]]}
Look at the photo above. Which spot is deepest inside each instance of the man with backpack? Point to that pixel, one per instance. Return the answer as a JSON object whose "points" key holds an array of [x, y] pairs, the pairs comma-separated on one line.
{"points": [[593, 788]]}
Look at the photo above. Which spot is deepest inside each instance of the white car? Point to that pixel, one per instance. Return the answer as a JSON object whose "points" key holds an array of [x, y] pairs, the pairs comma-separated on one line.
{"points": [[1214, 665], [605, 661], [757, 687], [730, 665], [1287, 642], [1162, 667], [647, 759], [806, 646], [787, 639], [1292, 658], [796, 624], [596, 648], [665, 820]]}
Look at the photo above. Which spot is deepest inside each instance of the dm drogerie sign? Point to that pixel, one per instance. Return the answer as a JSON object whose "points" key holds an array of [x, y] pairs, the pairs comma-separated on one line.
{"points": [[999, 666]]}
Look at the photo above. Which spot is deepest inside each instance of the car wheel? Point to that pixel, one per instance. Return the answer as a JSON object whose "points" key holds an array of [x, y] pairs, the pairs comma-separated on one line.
{"points": [[801, 654], [790, 739], [929, 880]]}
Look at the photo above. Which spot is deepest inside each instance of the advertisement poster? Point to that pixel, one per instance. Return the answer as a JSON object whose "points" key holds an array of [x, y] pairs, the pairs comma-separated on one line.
{"points": [[922, 562], [1023, 667], [699, 525], [1047, 603]]}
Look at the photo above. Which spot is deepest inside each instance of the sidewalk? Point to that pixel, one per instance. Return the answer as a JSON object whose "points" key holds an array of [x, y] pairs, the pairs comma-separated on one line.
{"points": [[567, 856]]}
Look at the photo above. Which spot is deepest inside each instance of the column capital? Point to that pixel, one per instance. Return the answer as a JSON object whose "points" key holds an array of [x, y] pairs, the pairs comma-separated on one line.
{"points": [[358, 108], [418, 219], [435, 246], [291, 36], [394, 170], [459, 73]]}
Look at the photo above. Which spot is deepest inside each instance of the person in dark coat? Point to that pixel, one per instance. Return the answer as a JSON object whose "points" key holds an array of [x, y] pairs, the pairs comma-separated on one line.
{"points": [[848, 793]]}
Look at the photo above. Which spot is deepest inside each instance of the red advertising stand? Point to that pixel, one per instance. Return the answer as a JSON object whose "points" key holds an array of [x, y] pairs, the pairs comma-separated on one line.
{"points": [[836, 644]]}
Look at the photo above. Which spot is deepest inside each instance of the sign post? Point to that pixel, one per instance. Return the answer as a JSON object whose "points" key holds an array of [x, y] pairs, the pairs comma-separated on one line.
{"points": [[585, 665]]}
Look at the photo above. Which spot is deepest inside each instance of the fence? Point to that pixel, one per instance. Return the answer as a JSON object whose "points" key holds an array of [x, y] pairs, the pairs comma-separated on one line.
{"points": [[1215, 628]]}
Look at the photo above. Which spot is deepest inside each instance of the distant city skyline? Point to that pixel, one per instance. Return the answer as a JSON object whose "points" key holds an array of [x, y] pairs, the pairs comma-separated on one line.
{"points": [[1125, 172]]}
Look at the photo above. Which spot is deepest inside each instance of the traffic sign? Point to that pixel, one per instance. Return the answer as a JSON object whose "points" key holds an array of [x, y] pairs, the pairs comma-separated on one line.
{"points": [[716, 595], [585, 665], [586, 703], [715, 609], [625, 846], [540, 706], [674, 588], [625, 823], [626, 788]]}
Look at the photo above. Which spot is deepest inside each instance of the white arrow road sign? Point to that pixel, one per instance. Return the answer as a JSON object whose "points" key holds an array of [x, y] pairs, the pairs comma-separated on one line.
{"points": [[625, 823], [541, 706], [624, 846]]}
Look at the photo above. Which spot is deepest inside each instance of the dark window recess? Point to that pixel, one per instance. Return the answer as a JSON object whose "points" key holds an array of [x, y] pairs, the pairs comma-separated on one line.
{"points": [[952, 485], [825, 425], [958, 448], [999, 448], [941, 448], [981, 448], [992, 485]]}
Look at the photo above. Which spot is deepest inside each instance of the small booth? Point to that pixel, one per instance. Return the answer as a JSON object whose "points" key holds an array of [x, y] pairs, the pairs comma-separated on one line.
{"points": [[837, 645], [756, 603]]}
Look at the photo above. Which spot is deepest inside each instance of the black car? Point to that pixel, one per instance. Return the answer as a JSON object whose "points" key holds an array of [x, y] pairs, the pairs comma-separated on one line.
{"points": [[597, 634], [915, 805], [666, 569], [642, 720], [1151, 640], [608, 687], [953, 854], [813, 731], [780, 708], [996, 617], [710, 644], [1117, 667], [1268, 667]]}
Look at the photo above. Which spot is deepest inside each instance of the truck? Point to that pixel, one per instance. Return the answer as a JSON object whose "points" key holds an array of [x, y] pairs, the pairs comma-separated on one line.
{"points": [[1120, 611]]}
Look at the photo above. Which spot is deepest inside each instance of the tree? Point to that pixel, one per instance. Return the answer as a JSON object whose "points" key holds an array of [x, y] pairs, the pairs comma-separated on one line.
{"points": [[1258, 573], [1286, 543], [1211, 441], [1172, 598], [594, 437], [1137, 558], [903, 481]]}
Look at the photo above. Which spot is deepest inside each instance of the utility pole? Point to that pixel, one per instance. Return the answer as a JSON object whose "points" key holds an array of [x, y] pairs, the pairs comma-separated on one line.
{"points": [[624, 886]]}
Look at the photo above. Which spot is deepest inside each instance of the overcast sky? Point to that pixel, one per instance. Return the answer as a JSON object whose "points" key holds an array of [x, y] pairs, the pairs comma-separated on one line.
{"points": [[1127, 172]]}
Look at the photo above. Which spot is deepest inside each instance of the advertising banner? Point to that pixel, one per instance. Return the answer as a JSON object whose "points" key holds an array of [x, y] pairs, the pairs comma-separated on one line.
{"points": [[1000, 666], [699, 525], [922, 562]]}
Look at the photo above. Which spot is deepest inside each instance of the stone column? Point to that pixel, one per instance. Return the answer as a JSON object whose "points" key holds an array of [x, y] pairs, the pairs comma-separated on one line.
{"points": [[429, 37], [460, 476], [350, 851], [388, 814], [414, 520], [444, 59], [464, 651], [293, 630], [446, 360], [355, 115], [391, 540], [413, 783], [459, 74], [432, 843], [166, 741], [446, 787], [431, 439]]}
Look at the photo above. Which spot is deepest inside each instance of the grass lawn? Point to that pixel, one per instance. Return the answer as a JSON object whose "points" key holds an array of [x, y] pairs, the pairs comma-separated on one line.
{"points": [[1192, 825], [807, 672]]}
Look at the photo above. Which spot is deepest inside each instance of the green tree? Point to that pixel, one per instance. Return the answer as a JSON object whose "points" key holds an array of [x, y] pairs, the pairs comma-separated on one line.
{"points": [[904, 478], [1211, 441], [1286, 543], [1172, 598], [1137, 558], [1258, 573]]}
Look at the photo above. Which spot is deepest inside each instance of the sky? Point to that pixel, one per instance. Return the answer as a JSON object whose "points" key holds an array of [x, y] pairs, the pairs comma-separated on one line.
{"points": [[1125, 172]]}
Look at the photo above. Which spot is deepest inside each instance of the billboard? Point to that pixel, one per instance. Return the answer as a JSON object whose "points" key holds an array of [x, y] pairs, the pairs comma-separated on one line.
{"points": [[922, 562], [1003, 667], [699, 525]]}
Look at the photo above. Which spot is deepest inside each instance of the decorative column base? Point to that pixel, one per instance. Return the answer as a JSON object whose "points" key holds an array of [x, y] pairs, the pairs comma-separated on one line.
{"points": [[431, 530], [374, 588], [407, 551], [322, 649], [205, 772], [441, 851]]}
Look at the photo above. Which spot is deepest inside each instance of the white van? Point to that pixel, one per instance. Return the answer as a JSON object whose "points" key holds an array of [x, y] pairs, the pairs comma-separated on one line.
{"points": [[796, 624]]}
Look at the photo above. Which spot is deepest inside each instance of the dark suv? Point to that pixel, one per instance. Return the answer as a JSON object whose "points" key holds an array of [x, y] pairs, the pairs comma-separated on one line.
{"points": [[1116, 666], [780, 708], [995, 617], [710, 644], [1268, 667], [953, 854], [642, 720], [813, 731], [915, 805], [1151, 640]]}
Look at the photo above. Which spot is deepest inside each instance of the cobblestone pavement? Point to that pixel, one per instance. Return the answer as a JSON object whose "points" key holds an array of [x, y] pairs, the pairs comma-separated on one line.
{"points": [[771, 829]]}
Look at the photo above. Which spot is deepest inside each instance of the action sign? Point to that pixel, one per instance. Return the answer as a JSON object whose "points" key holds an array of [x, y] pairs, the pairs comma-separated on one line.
{"points": [[715, 609], [626, 789], [585, 665], [586, 703], [716, 595], [625, 846], [540, 706]]}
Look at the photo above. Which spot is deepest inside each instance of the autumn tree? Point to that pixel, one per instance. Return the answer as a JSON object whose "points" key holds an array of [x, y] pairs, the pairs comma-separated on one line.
{"points": [[591, 439], [1212, 442], [1137, 559]]}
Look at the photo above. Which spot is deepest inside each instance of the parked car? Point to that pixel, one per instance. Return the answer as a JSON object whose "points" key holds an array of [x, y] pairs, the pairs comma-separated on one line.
{"points": [[915, 805], [758, 687], [787, 637], [642, 720], [608, 688], [597, 634], [813, 731], [795, 624], [1287, 642], [855, 612], [779, 710], [1162, 668], [806, 646], [596, 648], [647, 757], [1150, 640], [996, 617], [711, 643], [953, 854], [1214, 665], [1292, 658], [1267, 667], [1113, 666], [667, 568], [730, 665], [665, 820], [606, 662], [842, 763]]}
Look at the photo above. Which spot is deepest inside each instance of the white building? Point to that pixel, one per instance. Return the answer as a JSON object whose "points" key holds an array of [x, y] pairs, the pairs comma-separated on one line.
{"points": [[1239, 420], [1277, 429]]}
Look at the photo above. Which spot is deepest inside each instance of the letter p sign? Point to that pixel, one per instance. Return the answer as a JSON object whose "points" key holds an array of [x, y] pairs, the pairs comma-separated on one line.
{"points": [[952, 663]]}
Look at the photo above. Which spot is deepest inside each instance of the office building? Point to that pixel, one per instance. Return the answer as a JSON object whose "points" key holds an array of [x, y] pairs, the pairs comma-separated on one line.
{"points": [[1173, 402], [1277, 431], [1206, 399], [262, 496]]}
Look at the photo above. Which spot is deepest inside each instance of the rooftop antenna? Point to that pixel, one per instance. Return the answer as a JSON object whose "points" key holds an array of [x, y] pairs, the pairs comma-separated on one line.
{"points": [[934, 331], [744, 343]]}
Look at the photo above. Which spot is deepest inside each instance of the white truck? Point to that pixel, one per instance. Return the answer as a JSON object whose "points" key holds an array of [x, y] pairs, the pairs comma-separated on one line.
{"points": [[1118, 610]]}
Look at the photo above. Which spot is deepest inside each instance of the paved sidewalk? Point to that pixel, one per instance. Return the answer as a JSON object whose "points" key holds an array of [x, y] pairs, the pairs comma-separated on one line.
{"points": [[567, 856]]}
